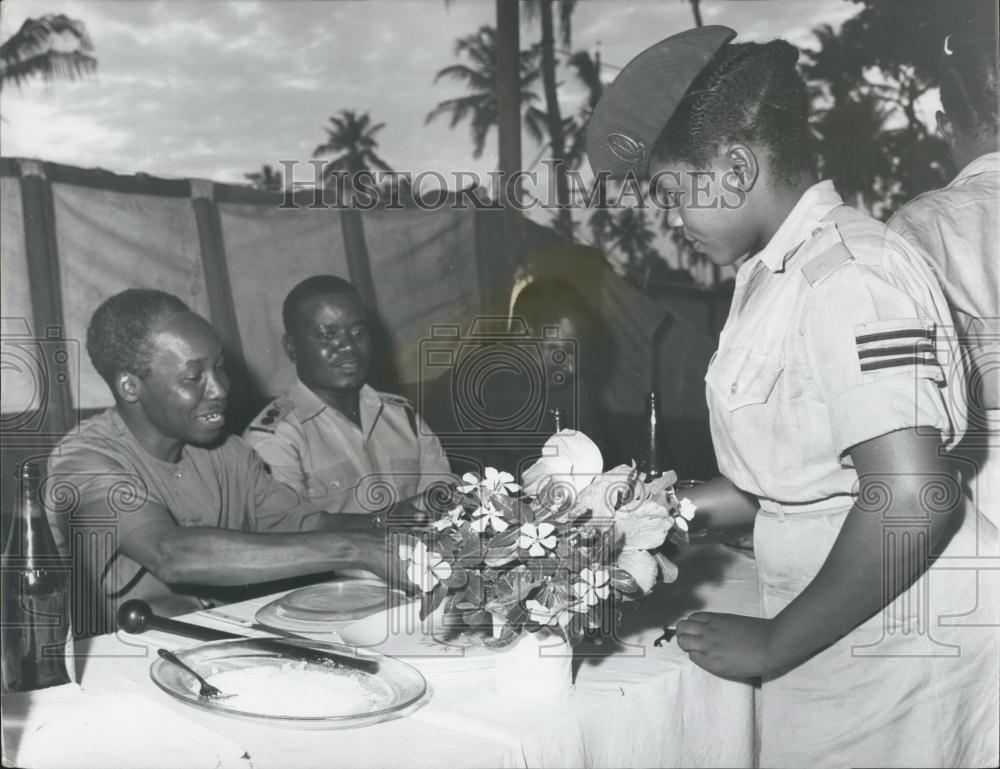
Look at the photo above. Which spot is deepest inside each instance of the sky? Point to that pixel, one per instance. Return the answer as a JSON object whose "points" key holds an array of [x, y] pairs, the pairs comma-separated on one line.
{"points": [[216, 89]]}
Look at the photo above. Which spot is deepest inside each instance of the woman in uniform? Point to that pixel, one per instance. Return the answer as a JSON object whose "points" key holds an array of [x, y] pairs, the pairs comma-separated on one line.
{"points": [[832, 398]]}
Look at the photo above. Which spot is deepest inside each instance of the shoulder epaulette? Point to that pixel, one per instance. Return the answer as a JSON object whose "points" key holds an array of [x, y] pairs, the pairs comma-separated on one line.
{"points": [[833, 254], [396, 400], [405, 404], [268, 419]]}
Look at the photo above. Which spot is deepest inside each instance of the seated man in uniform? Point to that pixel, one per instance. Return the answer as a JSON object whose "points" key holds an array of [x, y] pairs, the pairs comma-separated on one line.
{"points": [[165, 509], [331, 437]]}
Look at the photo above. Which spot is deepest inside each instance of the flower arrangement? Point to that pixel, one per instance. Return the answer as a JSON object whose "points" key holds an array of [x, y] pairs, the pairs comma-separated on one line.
{"points": [[553, 552]]}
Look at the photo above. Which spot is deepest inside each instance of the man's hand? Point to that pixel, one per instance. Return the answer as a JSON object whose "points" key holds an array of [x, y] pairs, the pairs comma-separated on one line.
{"points": [[729, 645]]}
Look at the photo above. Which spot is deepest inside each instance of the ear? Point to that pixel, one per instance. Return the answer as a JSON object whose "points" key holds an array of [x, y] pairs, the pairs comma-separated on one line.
{"points": [[289, 344], [743, 162], [945, 127], [128, 387]]}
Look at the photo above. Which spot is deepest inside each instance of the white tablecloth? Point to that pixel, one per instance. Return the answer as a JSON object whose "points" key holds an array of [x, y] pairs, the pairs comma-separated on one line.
{"points": [[632, 704]]}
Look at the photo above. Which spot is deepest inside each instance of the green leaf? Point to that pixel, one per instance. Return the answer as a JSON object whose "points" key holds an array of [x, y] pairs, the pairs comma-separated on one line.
{"points": [[622, 580], [668, 569], [458, 578], [505, 539], [430, 601], [478, 618], [474, 589], [498, 556]]}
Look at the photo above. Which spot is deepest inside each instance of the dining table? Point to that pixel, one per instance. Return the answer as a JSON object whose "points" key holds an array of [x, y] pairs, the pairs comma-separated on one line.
{"points": [[632, 703]]}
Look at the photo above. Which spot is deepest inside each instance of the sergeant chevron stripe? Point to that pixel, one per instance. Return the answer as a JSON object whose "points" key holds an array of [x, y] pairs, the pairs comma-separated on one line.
{"points": [[895, 344]]}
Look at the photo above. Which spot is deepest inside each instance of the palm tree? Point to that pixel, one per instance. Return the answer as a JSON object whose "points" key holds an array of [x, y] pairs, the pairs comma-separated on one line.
{"points": [[481, 106], [836, 62], [631, 234], [600, 224], [50, 47], [588, 72], [554, 121], [352, 136], [852, 150], [697, 12], [267, 179]]}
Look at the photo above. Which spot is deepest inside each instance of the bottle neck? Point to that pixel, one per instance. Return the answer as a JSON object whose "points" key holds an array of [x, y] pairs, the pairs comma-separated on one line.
{"points": [[30, 535]]}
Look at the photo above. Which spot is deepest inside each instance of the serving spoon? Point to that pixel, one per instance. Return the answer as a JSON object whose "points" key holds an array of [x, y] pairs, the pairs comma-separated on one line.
{"points": [[137, 616], [207, 690]]}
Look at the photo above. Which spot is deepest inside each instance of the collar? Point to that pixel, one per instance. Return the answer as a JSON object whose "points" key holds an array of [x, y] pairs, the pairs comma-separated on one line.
{"points": [[309, 405], [984, 164], [815, 203]]}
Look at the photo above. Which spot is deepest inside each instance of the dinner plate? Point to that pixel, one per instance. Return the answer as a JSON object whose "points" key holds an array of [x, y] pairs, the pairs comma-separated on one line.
{"points": [[325, 607], [274, 683], [426, 644]]}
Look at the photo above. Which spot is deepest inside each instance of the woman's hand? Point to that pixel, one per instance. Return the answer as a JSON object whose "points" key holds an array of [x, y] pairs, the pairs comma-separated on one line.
{"points": [[729, 645]]}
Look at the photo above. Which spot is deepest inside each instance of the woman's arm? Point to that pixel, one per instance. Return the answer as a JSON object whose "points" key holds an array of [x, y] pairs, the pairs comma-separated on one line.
{"points": [[894, 472], [721, 504]]}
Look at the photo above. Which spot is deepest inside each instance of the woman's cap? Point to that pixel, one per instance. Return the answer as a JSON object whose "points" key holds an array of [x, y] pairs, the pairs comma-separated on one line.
{"points": [[634, 109]]}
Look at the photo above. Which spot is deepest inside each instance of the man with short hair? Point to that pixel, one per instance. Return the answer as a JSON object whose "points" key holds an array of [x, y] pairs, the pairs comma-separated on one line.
{"points": [[167, 510], [331, 436]]}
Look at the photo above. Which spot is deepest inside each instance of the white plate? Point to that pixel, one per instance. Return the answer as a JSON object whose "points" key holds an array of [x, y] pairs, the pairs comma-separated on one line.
{"points": [[321, 609], [399, 632], [285, 684]]}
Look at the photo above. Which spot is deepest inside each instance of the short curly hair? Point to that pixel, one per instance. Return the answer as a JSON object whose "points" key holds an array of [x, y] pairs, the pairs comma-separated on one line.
{"points": [[317, 285], [750, 92], [119, 330]]}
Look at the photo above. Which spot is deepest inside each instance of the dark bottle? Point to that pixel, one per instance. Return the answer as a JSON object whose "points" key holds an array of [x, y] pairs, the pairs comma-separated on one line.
{"points": [[651, 462], [37, 626]]}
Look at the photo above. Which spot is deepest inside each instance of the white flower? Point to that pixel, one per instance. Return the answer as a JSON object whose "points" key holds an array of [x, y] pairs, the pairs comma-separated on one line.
{"points": [[645, 525], [685, 513], [592, 587], [537, 539], [494, 481], [568, 455], [427, 567], [487, 515], [450, 520], [543, 615], [641, 565]]}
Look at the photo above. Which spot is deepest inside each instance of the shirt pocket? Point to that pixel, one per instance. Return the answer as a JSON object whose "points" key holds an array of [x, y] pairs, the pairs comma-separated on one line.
{"points": [[331, 488], [741, 378], [754, 447]]}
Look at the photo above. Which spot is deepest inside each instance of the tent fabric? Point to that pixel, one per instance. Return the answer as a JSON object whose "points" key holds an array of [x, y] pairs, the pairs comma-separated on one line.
{"points": [[110, 241], [20, 393], [269, 250], [428, 268], [423, 278]]}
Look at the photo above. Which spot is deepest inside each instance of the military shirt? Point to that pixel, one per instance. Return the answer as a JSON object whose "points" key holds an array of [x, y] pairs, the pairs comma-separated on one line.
{"points": [[958, 229], [103, 468], [340, 467], [837, 334]]}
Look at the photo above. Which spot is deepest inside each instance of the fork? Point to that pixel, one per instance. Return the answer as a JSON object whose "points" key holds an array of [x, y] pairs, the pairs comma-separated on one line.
{"points": [[207, 690]]}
